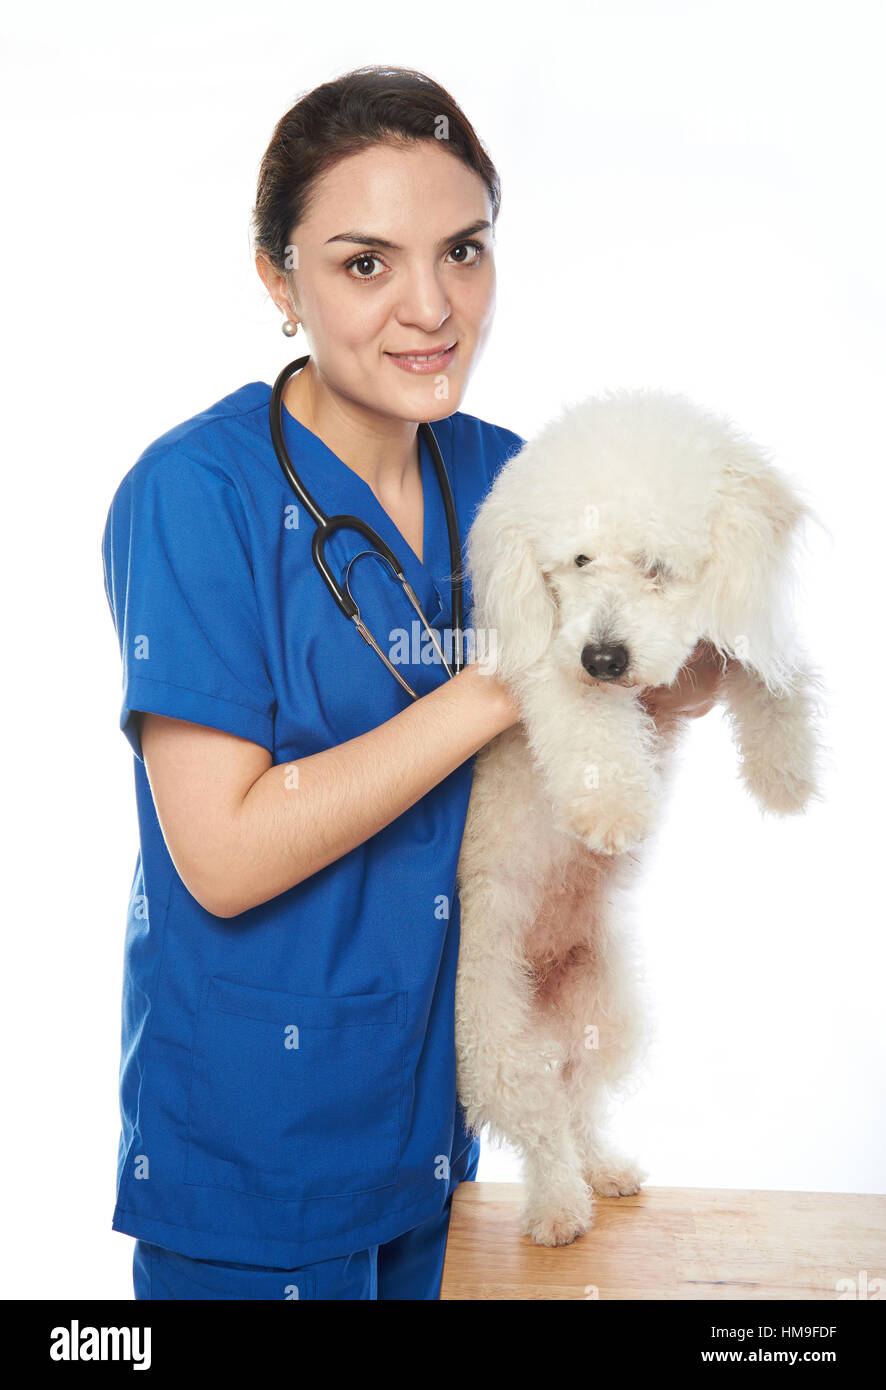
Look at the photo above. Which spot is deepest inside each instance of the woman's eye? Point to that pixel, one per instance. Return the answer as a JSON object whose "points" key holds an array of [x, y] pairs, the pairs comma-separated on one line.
{"points": [[360, 267], [363, 260], [581, 560], [467, 246]]}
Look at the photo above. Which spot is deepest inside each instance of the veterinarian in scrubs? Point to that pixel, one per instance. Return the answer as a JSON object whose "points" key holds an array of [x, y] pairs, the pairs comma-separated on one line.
{"points": [[290, 1127]]}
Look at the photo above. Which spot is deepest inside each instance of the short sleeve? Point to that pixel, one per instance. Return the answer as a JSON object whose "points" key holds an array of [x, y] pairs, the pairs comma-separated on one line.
{"points": [[180, 586]]}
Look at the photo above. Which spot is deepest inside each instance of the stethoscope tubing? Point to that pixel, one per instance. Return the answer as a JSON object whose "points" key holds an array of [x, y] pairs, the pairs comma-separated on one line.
{"points": [[326, 526]]}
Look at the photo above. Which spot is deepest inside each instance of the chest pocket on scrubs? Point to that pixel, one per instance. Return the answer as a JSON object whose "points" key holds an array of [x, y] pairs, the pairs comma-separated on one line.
{"points": [[295, 1096]]}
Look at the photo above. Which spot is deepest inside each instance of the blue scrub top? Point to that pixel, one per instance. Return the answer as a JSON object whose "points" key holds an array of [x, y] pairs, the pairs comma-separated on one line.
{"points": [[287, 1079]]}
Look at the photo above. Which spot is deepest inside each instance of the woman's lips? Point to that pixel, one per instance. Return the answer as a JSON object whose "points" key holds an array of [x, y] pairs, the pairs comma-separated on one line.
{"points": [[421, 363]]}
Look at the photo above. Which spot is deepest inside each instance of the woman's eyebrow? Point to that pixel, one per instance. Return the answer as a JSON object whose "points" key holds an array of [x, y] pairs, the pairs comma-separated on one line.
{"points": [[362, 238]]}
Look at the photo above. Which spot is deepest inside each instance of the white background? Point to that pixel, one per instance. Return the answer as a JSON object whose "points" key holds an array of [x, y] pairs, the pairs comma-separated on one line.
{"points": [[692, 199]]}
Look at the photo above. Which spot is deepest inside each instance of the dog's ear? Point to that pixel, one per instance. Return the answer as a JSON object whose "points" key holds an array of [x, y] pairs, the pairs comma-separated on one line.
{"points": [[745, 585], [514, 608]]}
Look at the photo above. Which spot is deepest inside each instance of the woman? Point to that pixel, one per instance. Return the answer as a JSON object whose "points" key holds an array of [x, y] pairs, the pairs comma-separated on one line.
{"points": [[290, 1127]]}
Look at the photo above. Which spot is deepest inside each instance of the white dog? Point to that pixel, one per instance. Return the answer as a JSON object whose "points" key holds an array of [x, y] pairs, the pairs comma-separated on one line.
{"points": [[634, 526]]}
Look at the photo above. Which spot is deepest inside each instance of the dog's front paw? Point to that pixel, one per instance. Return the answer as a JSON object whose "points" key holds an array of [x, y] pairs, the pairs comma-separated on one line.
{"points": [[780, 789], [548, 1222], [609, 827]]}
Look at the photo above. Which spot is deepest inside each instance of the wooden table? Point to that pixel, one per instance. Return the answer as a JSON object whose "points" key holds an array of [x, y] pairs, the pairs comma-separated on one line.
{"points": [[672, 1243]]}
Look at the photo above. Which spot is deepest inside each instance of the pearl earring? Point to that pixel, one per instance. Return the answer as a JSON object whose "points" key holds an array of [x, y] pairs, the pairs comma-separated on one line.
{"points": [[289, 328]]}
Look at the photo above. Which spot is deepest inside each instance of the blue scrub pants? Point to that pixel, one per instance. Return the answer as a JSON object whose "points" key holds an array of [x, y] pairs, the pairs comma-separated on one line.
{"points": [[408, 1267]]}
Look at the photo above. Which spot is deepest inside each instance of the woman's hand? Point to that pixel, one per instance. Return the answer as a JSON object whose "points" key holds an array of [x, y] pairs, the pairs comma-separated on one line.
{"points": [[695, 690], [494, 695]]}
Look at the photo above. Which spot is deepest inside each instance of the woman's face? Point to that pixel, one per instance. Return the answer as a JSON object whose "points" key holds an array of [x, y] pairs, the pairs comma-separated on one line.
{"points": [[395, 256]]}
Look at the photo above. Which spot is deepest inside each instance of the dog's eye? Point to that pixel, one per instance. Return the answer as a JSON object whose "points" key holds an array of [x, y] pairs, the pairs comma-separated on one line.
{"points": [[581, 560], [656, 570]]}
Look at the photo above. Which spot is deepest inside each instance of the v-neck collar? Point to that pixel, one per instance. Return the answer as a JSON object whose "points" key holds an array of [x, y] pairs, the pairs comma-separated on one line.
{"points": [[338, 488]]}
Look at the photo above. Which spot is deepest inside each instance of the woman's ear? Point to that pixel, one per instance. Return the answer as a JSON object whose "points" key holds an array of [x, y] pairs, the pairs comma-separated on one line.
{"points": [[746, 582], [514, 608]]}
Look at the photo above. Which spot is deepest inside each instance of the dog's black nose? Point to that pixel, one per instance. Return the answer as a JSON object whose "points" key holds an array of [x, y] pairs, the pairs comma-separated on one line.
{"points": [[605, 663]]}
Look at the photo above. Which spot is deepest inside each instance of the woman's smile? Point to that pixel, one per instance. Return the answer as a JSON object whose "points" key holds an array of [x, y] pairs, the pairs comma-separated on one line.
{"points": [[432, 360]]}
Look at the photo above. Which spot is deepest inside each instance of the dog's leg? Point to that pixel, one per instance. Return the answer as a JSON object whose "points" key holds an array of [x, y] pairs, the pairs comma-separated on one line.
{"points": [[609, 1173], [600, 1021], [775, 736], [505, 1076], [598, 758], [501, 1041], [588, 1076]]}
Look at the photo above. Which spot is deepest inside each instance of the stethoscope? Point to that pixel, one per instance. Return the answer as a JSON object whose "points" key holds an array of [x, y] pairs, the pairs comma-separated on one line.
{"points": [[327, 525]]}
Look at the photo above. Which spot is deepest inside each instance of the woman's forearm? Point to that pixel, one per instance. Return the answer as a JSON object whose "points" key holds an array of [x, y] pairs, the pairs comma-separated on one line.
{"points": [[300, 816]]}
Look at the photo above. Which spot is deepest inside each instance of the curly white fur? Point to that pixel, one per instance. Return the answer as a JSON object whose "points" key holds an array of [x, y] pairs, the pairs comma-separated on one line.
{"points": [[682, 530]]}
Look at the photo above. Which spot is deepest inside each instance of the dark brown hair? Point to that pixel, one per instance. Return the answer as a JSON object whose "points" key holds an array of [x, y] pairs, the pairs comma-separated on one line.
{"points": [[365, 107]]}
